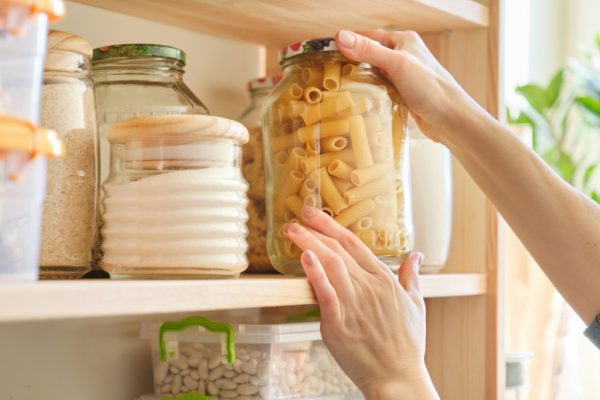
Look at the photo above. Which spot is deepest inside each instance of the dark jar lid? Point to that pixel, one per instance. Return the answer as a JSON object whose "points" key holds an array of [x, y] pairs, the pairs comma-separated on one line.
{"points": [[139, 50], [306, 47]]}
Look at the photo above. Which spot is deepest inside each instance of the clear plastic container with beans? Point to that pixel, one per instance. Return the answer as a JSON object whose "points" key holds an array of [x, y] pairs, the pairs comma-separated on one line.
{"points": [[334, 138]]}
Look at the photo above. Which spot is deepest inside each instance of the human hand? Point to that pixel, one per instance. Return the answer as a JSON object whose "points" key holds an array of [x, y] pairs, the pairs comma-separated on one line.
{"points": [[373, 323], [437, 102]]}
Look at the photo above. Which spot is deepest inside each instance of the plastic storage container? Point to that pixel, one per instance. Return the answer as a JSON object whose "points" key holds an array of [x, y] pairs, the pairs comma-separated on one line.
{"points": [[431, 170], [23, 152], [335, 134], [134, 80], [67, 106], [23, 25], [254, 171], [279, 361], [175, 201]]}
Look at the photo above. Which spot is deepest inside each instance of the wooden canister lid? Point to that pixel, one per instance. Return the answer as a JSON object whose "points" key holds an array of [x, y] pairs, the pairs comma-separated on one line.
{"points": [[180, 128], [65, 41]]}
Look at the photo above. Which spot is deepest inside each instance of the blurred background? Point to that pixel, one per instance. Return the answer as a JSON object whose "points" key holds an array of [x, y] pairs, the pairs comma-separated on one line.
{"points": [[552, 90]]}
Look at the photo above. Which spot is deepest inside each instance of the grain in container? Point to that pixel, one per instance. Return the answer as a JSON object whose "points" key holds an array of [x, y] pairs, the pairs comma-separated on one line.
{"points": [[175, 200], [67, 106], [335, 138], [244, 361], [254, 172]]}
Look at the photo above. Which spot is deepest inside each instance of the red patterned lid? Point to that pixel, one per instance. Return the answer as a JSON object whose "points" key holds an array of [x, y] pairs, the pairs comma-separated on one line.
{"points": [[263, 83], [306, 47]]}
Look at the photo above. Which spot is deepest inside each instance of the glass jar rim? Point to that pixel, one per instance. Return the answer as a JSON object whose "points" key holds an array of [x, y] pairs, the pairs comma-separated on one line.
{"points": [[138, 50]]}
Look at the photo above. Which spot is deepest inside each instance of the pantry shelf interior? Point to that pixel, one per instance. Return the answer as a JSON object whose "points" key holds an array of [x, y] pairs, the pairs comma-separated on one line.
{"points": [[52, 300], [262, 21]]}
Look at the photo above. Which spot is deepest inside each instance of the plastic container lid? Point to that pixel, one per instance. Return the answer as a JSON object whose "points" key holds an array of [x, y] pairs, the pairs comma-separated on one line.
{"points": [[306, 47], [20, 135], [244, 333], [55, 9], [263, 83], [64, 51], [138, 50], [177, 128]]}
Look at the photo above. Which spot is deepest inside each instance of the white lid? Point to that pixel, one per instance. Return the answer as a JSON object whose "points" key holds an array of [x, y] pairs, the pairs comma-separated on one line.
{"points": [[244, 333]]}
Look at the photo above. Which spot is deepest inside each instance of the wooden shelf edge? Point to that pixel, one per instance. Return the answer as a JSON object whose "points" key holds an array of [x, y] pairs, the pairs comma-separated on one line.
{"points": [[53, 300], [267, 22]]}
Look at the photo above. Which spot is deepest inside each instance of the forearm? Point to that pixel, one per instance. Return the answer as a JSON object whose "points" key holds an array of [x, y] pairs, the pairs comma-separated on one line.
{"points": [[559, 226], [421, 388]]}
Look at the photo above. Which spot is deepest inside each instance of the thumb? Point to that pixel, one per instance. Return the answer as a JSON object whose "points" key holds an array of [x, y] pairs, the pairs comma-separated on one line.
{"points": [[362, 49], [409, 272]]}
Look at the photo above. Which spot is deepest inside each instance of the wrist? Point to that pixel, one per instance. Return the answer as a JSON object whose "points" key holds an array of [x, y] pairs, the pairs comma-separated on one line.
{"points": [[417, 387]]}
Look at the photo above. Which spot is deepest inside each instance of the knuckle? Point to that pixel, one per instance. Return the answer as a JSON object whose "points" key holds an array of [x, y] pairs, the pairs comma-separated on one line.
{"points": [[333, 259], [412, 36], [348, 240]]}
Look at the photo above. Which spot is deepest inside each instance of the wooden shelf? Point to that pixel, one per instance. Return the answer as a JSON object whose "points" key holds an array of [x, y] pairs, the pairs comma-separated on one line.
{"points": [[277, 23], [53, 300]]}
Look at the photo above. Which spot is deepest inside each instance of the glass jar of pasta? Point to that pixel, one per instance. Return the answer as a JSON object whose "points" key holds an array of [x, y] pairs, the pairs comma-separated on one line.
{"points": [[335, 138]]}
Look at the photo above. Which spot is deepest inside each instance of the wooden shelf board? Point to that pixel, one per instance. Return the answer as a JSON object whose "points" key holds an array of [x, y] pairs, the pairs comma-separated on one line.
{"points": [[51, 300], [277, 23]]}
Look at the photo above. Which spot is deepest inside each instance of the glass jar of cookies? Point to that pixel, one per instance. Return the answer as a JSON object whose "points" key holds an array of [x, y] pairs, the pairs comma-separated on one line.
{"points": [[335, 138]]}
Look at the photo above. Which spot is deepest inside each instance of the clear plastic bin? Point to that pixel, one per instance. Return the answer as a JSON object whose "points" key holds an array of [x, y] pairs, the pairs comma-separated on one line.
{"points": [[278, 361], [23, 152], [23, 30]]}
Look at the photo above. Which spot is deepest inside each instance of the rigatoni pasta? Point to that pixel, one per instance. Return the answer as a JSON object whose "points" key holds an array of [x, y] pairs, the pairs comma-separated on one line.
{"points": [[343, 134]]}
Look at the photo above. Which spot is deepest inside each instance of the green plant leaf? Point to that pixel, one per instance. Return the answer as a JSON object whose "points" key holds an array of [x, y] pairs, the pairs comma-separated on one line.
{"points": [[553, 90], [590, 104], [589, 171], [566, 167], [598, 40], [524, 118], [535, 96], [596, 197]]}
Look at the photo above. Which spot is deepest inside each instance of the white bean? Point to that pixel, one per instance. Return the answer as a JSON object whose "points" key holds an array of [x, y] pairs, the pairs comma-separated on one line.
{"points": [[212, 389], [250, 367], [214, 361], [242, 378], [225, 384], [228, 394], [247, 389], [176, 386], [161, 371], [190, 383], [203, 369], [216, 373]]}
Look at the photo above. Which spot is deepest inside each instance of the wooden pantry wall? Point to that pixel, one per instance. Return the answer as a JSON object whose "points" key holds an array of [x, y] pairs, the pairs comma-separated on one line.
{"points": [[217, 69]]}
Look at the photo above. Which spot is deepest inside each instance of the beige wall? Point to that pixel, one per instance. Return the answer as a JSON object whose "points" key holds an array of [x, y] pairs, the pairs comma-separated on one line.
{"points": [[217, 69]]}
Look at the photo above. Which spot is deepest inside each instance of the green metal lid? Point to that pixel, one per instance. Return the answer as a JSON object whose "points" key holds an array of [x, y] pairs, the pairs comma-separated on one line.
{"points": [[138, 50]]}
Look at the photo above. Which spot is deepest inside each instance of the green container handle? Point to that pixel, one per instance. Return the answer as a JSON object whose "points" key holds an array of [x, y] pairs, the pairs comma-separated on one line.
{"points": [[177, 326]]}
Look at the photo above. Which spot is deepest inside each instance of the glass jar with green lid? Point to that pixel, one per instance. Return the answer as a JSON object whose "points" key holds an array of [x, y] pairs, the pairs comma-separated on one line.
{"points": [[133, 80]]}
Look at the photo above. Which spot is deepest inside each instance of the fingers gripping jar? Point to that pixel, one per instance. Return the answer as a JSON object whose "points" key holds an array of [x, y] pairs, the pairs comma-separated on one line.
{"points": [[335, 138]]}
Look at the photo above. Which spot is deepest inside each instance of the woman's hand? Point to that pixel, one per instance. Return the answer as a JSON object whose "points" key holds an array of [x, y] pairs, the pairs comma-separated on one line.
{"points": [[435, 99], [373, 324]]}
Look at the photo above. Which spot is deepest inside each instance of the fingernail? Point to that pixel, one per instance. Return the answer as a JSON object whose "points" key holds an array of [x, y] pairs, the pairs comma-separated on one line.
{"points": [[296, 228], [310, 258], [420, 259], [346, 39], [285, 228], [309, 212]]}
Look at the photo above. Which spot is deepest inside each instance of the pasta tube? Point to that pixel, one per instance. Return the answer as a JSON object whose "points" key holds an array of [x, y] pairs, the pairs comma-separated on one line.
{"points": [[312, 200], [349, 70], [341, 185], [292, 92], [329, 107], [340, 170], [335, 143], [398, 133], [289, 185], [329, 192], [294, 162], [313, 95], [370, 190], [362, 224], [363, 176], [313, 148], [311, 76], [382, 154], [360, 142], [310, 164], [323, 130], [282, 142], [280, 159], [291, 109], [373, 124], [361, 105], [295, 203], [356, 212], [308, 187], [328, 211], [331, 75]]}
